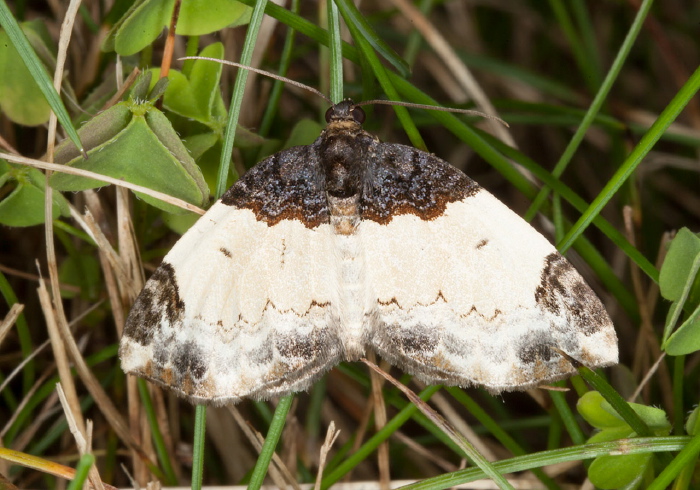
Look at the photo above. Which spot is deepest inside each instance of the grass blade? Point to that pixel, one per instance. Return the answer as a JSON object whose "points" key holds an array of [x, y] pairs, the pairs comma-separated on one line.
{"points": [[158, 441], [36, 68], [585, 62], [669, 114], [536, 460], [200, 423], [347, 9], [596, 105], [336, 60], [237, 97], [273, 437], [365, 31], [81, 471], [278, 85], [373, 442], [475, 456]]}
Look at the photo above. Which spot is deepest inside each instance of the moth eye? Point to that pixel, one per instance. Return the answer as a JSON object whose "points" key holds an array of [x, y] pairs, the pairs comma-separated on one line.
{"points": [[329, 113], [358, 115]]}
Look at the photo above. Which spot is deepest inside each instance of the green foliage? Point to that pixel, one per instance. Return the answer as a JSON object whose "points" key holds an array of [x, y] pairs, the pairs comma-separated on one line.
{"points": [[303, 133], [679, 282], [116, 142], [195, 98], [81, 472], [23, 201], [629, 471], [20, 96], [145, 20], [30, 59]]}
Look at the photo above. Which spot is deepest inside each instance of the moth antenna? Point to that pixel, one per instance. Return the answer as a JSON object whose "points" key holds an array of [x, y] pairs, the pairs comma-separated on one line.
{"points": [[263, 72], [433, 108], [366, 102]]}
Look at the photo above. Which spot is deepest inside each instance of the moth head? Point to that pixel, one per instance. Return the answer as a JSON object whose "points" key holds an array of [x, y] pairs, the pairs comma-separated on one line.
{"points": [[346, 110]]}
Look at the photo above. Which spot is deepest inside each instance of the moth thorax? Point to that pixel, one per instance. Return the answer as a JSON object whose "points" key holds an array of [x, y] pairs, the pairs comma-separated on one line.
{"points": [[342, 165], [345, 213]]}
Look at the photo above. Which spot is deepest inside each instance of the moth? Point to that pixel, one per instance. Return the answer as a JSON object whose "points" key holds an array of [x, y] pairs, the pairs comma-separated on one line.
{"points": [[323, 252]]}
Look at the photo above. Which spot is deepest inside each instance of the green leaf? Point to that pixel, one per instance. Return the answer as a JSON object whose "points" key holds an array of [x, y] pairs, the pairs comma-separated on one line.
{"points": [[686, 339], [198, 144], [20, 97], [199, 17], [610, 472], [24, 207], [679, 281], [654, 417], [99, 129], [135, 142], [675, 270], [163, 130], [199, 96], [304, 132], [600, 414], [32, 62], [180, 223], [158, 90], [624, 471], [146, 19], [590, 406], [624, 431], [23, 204], [205, 79], [142, 86], [120, 12], [141, 25], [179, 97]]}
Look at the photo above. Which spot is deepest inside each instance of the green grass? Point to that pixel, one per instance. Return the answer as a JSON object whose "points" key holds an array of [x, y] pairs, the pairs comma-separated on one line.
{"points": [[602, 104]]}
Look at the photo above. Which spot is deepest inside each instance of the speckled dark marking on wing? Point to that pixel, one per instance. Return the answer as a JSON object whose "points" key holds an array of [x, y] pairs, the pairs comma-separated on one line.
{"points": [[159, 296], [346, 161], [404, 180], [563, 291], [287, 185]]}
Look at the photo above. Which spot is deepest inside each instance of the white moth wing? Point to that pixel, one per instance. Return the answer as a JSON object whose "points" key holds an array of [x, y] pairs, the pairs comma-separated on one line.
{"points": [[322, 252], [237, 309], [477, 296]]}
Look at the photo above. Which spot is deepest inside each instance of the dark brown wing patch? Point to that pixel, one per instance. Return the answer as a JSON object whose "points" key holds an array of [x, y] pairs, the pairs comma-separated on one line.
{"points": [[160, 296], [287, 185], [404, 180], [562, 291]]}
